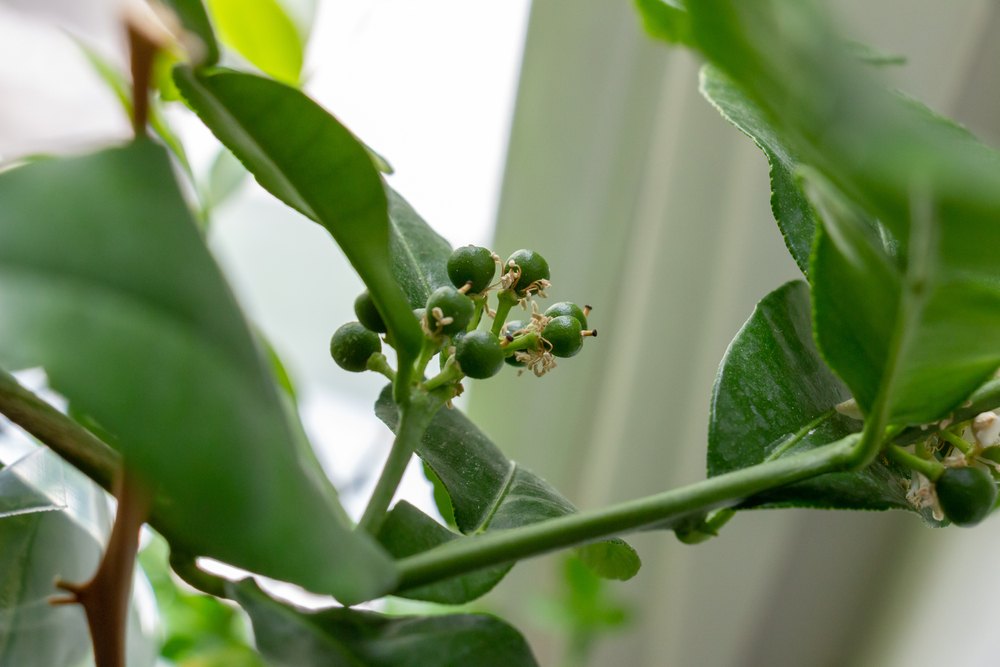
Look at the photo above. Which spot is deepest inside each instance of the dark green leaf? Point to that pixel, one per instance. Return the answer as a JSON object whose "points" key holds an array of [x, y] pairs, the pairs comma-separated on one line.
{"points": [[933, 188], [408, 531], [665, 21], [306, 158], [289, 637], [110, 288], [194, 18], [263, 33], [490, 492], [419, 254], [774, 396], [58, 531], [441, 498], [788, 203]]}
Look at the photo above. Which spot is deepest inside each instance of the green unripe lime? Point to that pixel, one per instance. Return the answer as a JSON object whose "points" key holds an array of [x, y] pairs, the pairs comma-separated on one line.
{"points": [[563, 334], [368, 314], [533, 267], [567, 308], [967, 495], [452, 304], [479, 354], [351, 346], [472, 263], [419, 313], [509, 328]]}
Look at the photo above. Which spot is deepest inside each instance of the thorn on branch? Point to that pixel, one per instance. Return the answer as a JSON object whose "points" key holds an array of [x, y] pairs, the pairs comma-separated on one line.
{"points": [[105, 598]]}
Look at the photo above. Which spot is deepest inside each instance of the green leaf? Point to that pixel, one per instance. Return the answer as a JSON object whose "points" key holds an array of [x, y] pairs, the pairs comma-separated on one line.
{"points": [[289, 637], [303, 156], [408, 531], [933, 188], [441, 498], [197, 629], [110, 288], [788, 203], [873, 56], [419, 254], [60, 536], [490, 492], [262, 32], [194, 18], [774, 396], [665, 21]]}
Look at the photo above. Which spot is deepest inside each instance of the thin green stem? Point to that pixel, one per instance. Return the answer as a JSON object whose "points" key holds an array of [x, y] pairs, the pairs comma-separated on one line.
{"points": [[963, 446], [64, 436], [451, 372], [524, 342], [929, 469], [414, 418], [505, 301], [427, 352], [480, 302], [659, 511], [378, 363]]}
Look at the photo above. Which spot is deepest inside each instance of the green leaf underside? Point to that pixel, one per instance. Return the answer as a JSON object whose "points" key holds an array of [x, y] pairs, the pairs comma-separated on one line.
{"points": [[490, 492], [110, 288], [665, 21], [771, 384], [288, 637], [303, 156], [408, 531], [917, 173], [788, 203], [37, 547], [194, 18], [263, 33], [419, 254]]}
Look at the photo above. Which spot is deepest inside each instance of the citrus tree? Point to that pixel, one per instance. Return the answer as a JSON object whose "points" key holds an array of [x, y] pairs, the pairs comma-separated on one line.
{"points": [[867, 385]]}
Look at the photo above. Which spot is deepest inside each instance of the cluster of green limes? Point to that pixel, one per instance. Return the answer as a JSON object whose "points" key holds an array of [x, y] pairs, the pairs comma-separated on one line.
{"points": [[450, 311]]}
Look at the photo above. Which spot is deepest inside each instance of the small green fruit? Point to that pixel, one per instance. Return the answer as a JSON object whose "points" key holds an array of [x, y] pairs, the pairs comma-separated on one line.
{"points": [[509, 328], [967, 495], [472, 264], [533, 268], [368, 314], [567, 308], [479, 354], [564, 334], [449, 303], [352, 345]]}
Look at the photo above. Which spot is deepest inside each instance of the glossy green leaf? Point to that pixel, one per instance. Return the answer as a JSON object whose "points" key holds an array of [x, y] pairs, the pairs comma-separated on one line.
{"points": [[774, 396], [194, 18], [110, 288], [39, 545], [307, 159], [419, 254], [408, 531], [289, 637], [665, 21], [262, 32], [791, 209], [934, 189], [490, 492]]}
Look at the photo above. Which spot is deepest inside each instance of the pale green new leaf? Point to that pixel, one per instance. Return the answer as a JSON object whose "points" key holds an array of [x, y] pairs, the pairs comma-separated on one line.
{"points": [[262, 32], [110, 288]]}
